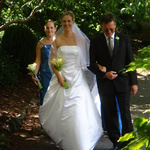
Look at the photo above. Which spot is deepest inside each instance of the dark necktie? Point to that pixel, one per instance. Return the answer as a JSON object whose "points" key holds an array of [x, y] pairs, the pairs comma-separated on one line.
{"points": [[110, 46]]}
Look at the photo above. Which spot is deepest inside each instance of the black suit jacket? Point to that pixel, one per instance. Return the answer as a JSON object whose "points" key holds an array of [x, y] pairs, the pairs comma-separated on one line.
{"points": [[122, 56]]}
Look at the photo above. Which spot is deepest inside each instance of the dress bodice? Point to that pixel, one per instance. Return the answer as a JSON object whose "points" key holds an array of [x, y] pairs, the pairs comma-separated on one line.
{"points": [[44, 58], [71, 57]]}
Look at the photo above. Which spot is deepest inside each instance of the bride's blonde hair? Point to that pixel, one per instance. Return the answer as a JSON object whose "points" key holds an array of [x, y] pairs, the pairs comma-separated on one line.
{"points": [[70, 13]]}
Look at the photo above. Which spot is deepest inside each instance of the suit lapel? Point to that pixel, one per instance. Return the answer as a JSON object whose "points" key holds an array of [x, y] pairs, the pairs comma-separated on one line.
{"points": [[116, 44]]}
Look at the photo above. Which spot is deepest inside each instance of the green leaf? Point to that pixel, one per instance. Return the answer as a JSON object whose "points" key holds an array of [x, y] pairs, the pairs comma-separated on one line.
{"points": [[137, 144], [126, 137], [139, 122], [148, 144]]}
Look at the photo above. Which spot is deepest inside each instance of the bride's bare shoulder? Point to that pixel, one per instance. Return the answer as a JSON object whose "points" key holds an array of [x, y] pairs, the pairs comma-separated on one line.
{"points": [[59, 40]]}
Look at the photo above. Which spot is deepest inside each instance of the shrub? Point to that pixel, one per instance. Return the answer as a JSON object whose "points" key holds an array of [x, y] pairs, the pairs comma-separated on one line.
{"points": [[2, 141], [9, 71], [20, 42]]}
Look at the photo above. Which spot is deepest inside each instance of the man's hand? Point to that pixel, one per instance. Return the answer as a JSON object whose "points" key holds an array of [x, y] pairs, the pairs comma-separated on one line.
{"points": [[134, 89], [111, 75]]}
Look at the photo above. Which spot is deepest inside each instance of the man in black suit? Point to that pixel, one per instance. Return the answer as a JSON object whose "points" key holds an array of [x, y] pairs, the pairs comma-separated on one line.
{"points": [[114, 51]]}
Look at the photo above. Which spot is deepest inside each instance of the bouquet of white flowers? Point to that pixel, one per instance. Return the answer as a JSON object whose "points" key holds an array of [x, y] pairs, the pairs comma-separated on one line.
{"points": [[57, 62], [32, 68]]}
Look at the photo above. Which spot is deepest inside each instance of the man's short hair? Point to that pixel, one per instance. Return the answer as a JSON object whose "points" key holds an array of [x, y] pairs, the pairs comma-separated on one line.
{"points": [[107, 17]]}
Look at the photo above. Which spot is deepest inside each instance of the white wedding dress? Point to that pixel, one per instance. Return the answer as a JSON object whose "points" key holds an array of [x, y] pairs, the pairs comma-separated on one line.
{"points": [[69, 116]]}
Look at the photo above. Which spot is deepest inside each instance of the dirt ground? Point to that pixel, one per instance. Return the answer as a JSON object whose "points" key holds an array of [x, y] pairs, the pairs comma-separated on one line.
{"points": [[19, 120], [19, 123]]}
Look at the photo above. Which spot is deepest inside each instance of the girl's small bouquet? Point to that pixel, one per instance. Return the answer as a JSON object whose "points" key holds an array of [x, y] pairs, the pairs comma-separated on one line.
{"points": [[32, 68], [58, 62]]}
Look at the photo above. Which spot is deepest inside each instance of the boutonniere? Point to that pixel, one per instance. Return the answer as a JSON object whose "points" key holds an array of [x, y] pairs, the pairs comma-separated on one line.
{"points": [[117, 39]]}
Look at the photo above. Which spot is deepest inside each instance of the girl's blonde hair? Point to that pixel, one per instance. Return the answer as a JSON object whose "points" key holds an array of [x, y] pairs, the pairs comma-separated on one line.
{"points": [[49, 20]]}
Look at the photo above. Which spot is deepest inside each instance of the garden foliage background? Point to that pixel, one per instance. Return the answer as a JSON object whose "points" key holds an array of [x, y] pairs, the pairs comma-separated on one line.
{"points": [[21, 26]]}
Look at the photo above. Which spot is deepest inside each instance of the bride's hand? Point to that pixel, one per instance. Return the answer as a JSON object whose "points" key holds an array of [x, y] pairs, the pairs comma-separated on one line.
{"points": [[61, 80], [101, 68]]}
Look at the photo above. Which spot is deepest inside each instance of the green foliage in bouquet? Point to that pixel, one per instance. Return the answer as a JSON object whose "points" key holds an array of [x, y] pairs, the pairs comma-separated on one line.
{"points": [[142, 60], [32, 69], [140, 136], [58, 62]]}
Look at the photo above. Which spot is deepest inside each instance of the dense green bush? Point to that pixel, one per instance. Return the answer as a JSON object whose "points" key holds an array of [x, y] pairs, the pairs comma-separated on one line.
{"points": [[20, 42], [2, 141], [9, 71]]}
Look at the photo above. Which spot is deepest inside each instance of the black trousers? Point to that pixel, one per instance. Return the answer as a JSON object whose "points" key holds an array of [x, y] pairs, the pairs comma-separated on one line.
{"points": [[110, 114]]}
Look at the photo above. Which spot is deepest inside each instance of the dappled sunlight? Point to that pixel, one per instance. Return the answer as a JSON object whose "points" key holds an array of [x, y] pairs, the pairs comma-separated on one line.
{"points": [[34, 138], [143, 72], [23, 135], [141, 95], [138, 110]]}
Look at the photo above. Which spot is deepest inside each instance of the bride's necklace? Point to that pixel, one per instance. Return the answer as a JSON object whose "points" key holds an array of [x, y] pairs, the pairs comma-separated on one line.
{"points": [[68, 36]]}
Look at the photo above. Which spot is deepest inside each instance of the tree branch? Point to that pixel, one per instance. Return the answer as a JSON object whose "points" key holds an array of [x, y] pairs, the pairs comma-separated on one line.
{"points": [[22, 20]]}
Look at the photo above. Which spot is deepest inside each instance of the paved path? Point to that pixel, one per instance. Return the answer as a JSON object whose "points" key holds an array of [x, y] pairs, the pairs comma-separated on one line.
{"points": [[139, 103], [103, 144]]}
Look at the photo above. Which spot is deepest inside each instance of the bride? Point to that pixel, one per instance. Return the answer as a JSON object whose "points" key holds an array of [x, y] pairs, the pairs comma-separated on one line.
{"points": [[69, 116]]}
